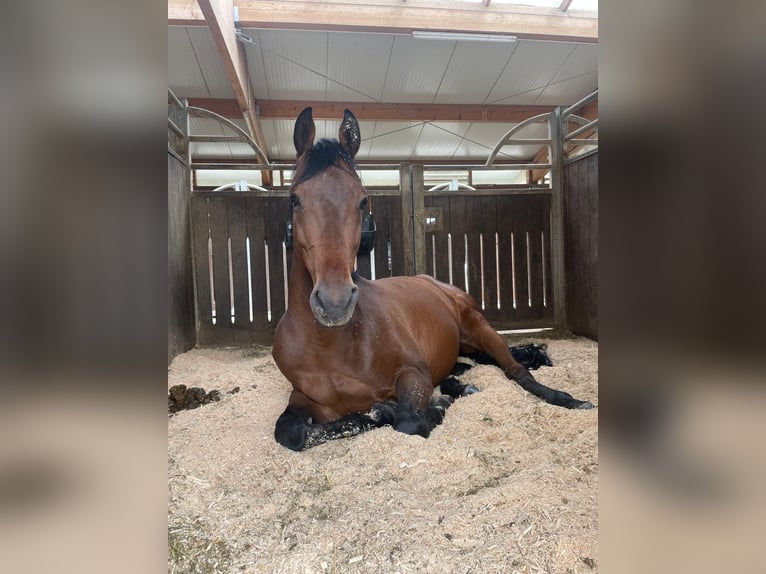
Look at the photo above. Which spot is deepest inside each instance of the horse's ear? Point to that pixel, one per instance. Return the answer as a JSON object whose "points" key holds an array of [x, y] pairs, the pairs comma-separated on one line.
{"points": [[349, 136], [304, 132]]}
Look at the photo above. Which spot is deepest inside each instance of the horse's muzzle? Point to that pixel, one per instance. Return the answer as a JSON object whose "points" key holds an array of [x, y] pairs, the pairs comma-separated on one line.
{"points": [[334, 307]]}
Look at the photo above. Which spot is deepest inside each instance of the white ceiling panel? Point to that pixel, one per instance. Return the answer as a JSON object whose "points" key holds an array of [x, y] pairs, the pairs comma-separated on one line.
{"points": [[184, 74], [213, 72], [482, 138], [568, 91], [365, 127], [532, 66], [584, 60], [472, 72], [357, 66], [439, 139], [295, 64], [416, 70], [255, 64], [393, 139], [283, 132], [206, 126]]}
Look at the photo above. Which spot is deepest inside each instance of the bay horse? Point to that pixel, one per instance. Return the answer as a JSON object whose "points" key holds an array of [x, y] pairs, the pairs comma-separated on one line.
{"points": [[361, 354]]}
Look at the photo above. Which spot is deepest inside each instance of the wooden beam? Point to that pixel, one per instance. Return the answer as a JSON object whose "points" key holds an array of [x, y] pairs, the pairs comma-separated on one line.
{"points": [[394, 16], [279, 109], [219, 16]]}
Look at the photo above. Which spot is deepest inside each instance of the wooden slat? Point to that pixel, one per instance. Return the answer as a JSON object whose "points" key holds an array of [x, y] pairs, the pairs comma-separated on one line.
{"points": [[520, 225], [380, 210], [505, 226], [548, 311], [276, 215], [202, 269], [474, 219], [488, 229], [222, 332], [429, 245], [535, 219], [256, 231], [458, 230], [442, 253], [391, 207], [237, 208]]}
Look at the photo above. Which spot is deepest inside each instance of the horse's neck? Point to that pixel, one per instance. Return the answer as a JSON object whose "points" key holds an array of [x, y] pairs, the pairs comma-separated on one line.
{"points": [[299, 289]]}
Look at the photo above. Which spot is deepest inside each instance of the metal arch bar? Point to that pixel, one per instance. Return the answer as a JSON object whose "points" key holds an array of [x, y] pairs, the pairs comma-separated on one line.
{"points": [[236, 183], [582, 129], [178, 131], [588, 141], [445, 186], [175, 98], [586, 100], [505, 139], [250, 141], [577, 119]]}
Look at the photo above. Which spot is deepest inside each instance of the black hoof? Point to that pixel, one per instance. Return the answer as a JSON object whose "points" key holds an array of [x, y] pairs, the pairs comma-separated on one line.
{"points": [[584, 405], [413, 425], [383, 413], [291, 431]]}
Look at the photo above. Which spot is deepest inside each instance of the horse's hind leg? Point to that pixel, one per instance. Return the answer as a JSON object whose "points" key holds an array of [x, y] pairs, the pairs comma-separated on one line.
{"points": [[478, 334]]}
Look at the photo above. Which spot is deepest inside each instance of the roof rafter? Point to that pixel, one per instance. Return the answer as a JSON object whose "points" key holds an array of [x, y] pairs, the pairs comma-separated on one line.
{"points": [[392, 16], [219, 17], [283, 109]]}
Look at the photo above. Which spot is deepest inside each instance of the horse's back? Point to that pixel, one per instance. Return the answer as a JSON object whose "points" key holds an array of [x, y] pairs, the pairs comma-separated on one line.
{"points": [[426, 315]]}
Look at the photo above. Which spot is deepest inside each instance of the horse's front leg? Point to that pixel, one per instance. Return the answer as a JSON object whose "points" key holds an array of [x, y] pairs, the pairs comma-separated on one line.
{"points": [[296, 430], [417, 412]]}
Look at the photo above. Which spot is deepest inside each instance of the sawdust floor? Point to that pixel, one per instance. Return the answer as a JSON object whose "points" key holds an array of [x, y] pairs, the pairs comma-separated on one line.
{"points": [[506, 484]]}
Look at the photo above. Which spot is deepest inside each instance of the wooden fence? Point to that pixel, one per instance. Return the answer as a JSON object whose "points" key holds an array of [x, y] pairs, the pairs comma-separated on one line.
{"points": [[495, 245]]}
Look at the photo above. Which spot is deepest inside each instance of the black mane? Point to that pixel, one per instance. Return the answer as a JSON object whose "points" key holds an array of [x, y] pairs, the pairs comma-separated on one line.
{"points": [[326, 152]]}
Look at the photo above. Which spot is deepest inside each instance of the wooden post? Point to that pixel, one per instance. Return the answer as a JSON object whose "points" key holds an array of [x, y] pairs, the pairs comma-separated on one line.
{"points": [[408, 236], [418, 218], [557, 220]]}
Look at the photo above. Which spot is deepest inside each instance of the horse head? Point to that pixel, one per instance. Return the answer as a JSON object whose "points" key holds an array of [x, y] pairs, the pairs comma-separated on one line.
{"points": [[327, 200]]}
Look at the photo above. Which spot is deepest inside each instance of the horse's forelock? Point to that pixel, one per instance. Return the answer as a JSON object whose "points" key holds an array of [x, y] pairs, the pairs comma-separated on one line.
{"points": [[326, 152]]}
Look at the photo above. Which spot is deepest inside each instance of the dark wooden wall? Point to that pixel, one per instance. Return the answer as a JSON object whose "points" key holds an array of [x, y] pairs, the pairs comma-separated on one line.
{"points": [[225, 223], [581, 245], [507, 234], [181, 321]]}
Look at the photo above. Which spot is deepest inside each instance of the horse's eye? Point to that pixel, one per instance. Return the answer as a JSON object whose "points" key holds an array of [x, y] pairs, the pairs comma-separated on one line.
{"points": [[294, 201], [363, 204]]}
